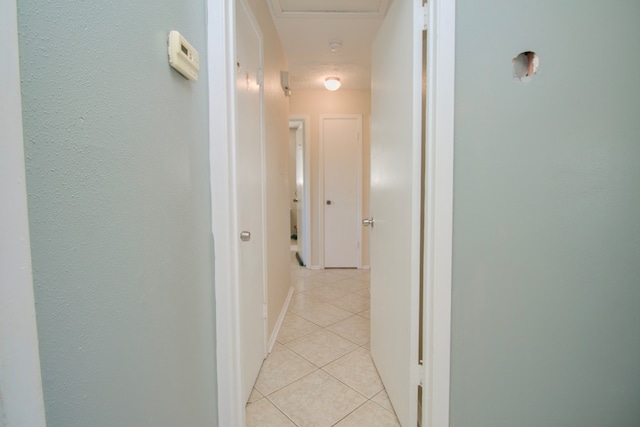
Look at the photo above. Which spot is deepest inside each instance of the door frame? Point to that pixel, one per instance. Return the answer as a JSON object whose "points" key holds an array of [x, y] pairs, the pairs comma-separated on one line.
{"points": [[306, 199], [438, 253], [222, 119], [439, 201], [21, 402], [321, 195], [224, 222]]}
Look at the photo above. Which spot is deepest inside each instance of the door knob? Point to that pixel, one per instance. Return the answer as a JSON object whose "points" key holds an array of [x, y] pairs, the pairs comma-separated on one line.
{"points": [[328, 202], [245, 236], [367, 222], [295, 200]]}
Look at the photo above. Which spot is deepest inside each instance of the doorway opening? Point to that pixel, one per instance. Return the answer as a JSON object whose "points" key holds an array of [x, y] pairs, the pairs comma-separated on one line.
{"points": [[299, 189]]}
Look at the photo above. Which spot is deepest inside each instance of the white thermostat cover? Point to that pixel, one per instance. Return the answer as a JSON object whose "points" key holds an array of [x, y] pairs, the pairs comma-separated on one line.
{"points": [[182, 56]]}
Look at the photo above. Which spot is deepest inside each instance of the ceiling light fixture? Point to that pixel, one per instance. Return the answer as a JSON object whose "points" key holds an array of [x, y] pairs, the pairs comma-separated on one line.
{"points": [[332, 83]]}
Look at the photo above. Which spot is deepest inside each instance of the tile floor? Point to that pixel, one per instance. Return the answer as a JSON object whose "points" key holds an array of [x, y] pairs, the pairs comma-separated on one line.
{"points": [[320, 372]]}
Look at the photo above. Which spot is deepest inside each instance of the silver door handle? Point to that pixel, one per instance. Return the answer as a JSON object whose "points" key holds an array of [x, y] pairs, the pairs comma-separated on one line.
{"points": [[245, 236], [367, 222]]}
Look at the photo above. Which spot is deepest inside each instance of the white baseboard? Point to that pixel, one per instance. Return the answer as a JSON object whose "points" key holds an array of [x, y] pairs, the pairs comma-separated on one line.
{"points": [[276, 329], [366, 267], [315, 267]]}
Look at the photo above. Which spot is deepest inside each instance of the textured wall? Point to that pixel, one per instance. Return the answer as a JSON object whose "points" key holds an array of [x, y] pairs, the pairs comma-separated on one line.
{"points": [[546, 278], [20, 385], [116, 147], [276, 116], [315, 103]]}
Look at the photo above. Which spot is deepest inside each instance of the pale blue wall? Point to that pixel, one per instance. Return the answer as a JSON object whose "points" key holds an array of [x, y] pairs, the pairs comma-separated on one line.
{"points": [[116, 147], [546, 266]]}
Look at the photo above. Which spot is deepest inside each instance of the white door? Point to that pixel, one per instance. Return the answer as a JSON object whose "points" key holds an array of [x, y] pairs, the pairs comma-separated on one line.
{"points": [[396, 91], [342, 160], [249, 181]]}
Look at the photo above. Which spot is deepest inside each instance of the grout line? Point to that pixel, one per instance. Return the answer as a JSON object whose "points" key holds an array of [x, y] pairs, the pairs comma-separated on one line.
{"points": [[355, 409], [282, 412]]}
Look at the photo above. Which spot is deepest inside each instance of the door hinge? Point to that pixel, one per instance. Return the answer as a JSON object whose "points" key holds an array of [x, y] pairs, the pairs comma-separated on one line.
{"points": [[260, 77], [425, 16], [264, 311], [420, 374]]}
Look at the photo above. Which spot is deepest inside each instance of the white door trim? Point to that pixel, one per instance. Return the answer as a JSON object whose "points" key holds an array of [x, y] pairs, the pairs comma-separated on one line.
{"points": [[438, 256], [221, 68], [321, 197], [306, 200], [21, 400]]}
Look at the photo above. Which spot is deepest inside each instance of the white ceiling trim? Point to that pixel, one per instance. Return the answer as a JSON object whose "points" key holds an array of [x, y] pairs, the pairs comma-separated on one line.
{"points": [[330, 9]]}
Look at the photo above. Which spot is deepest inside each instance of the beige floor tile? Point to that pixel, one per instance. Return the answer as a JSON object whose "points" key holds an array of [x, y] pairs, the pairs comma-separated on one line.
{"points": [[294, 326], [281, 368], [350, 284], [304, 286], [354, 328], [382, 399], [327, 276], [344, 272], [353, 303], [357, 370], [370, 415], [364, 292], [367, 346], [295, 279], [255, 396], [303, 301], [353, 277], [326, 326], [321, 347], [365, 276], [264, 414], [317, 400], [327, 292], [350, 272], [304, 272], [324, 314]]}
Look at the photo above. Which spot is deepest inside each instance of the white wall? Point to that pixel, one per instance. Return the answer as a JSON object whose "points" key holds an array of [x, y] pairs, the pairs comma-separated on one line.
{"points": [[21, 401], [276, 115], [318, 102]]}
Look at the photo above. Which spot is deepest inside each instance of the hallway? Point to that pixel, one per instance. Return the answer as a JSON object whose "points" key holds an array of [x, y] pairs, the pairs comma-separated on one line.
{"points": [[320, 371]]}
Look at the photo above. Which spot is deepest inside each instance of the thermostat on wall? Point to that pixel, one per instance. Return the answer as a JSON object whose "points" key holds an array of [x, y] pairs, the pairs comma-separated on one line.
{"points": [[182, 56]]}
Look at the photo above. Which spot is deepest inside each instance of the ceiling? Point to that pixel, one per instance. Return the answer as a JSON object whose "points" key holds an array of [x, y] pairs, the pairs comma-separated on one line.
{"points": [[306, 27]]}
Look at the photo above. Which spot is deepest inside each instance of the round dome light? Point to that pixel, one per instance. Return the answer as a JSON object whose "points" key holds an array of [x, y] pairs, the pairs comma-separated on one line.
{"points": [[332, 83]]}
